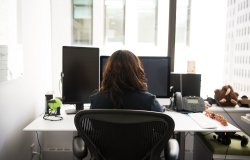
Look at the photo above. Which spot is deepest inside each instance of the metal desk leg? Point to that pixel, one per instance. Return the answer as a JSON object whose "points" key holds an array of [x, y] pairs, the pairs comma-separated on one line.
{"points": [[181, 140]]}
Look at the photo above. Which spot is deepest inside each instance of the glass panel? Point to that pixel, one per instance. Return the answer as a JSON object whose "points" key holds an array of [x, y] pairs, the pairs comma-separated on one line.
{"points": [[146, 19], [82, 12], [82, 2], [11, 57], [200, 38], [114, 21], [183, 21], [82, 22]]}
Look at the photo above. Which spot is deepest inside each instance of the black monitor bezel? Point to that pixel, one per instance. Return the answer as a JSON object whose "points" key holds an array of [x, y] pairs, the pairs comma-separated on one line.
{"points": [[168, 93], [79, 104]]}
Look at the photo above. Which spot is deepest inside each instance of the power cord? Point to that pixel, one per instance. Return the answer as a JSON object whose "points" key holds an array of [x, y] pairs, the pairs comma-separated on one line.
{"points": [[39, 144], [226, 153], [52, 117], [216, 102], [227, 145], [233, 120], [169, 107]]}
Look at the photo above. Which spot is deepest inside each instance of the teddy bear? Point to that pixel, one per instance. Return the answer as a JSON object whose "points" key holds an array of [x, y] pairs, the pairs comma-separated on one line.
{"points": [[226, 96]]}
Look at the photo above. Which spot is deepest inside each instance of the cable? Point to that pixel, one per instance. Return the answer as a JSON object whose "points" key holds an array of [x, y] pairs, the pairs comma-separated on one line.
{"points": [[40, 148], [233, 120], [60, 82], [171, 105], [50, 117], [226, 153], [231, 117]]}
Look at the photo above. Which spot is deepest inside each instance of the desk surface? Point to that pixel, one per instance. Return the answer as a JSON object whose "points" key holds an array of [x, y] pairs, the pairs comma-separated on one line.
{"points": [[237, 108], [183, 123], [245, 119]]}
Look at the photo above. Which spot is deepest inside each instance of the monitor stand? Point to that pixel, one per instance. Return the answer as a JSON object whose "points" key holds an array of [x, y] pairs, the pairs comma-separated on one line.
{"points": [[77, 109]]}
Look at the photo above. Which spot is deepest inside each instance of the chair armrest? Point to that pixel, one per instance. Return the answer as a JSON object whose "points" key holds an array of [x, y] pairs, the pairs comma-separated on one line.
{"points": [[172, 150], [79, 149]]}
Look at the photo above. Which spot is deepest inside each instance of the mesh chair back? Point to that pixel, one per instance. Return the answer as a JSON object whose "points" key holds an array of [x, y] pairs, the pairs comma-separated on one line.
{"points": [[113, 134]]}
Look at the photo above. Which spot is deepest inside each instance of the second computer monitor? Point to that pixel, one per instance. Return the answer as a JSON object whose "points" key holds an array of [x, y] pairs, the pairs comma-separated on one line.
{"points": [[157, 70]]}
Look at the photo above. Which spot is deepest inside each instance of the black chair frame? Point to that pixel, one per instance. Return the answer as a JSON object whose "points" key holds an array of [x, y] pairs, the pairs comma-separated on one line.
{"points": [[111, 134]]}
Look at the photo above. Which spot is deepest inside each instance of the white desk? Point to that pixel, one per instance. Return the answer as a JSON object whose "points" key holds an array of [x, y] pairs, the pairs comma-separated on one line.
{"points": [[233, 115], [236, 109], [183, 123]]}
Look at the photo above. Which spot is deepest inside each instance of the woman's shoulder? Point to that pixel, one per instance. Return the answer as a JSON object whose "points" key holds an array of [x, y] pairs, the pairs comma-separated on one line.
{"points": [[145, 93], [99, 94], [141, 95], [148, 99], [100, 100]]}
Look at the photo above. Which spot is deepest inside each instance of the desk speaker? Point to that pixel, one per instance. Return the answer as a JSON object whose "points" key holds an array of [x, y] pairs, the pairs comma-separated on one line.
{"points": [[48, 96], [188, 84]]}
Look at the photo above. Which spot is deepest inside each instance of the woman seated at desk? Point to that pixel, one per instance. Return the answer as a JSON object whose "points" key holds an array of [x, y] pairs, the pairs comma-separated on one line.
{"points": [[124, 85]]}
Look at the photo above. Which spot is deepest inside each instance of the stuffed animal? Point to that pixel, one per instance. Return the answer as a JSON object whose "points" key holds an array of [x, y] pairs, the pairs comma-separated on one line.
{"points": [[226, 96]]}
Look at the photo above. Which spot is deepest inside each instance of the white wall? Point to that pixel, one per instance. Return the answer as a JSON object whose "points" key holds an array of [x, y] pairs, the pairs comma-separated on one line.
{"points": [[23, 99], [61, 36]]}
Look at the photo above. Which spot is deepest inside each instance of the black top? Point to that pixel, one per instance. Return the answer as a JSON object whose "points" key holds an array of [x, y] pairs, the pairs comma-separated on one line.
{"points": [[133, 100]]}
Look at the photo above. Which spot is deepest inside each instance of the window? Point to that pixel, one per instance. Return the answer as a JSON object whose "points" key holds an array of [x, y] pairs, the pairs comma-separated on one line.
{"points": [[112, 24], [211, 38], [82, 21], [146, 21], [11, 56], [200, 37], [214, 38], [140, 27], [114, 21]]}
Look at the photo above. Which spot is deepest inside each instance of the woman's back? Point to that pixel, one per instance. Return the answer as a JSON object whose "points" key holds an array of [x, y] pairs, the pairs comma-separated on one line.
{"points": [[132, 100], [124, 85]]}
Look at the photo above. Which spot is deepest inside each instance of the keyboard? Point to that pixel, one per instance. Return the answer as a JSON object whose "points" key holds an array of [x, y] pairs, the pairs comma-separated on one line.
{"points": [[203, 121]]}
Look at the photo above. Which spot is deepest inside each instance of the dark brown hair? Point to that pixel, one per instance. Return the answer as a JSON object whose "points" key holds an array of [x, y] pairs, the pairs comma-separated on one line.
{"points": [[123, 72]]}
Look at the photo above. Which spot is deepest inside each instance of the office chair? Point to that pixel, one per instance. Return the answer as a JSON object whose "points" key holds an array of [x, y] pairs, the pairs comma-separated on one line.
{"points": [[116, 134]]}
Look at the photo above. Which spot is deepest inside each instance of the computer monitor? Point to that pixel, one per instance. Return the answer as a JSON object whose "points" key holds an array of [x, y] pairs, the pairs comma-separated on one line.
{"points": [[157, 71], [80, 75]]}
